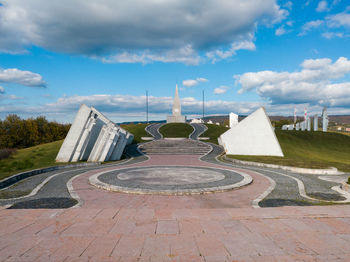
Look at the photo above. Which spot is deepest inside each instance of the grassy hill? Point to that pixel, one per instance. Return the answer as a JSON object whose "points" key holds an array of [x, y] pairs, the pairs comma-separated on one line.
{"points": [[214, 132], [176, 130], [30, 158], [138, 130], [309, 149]]}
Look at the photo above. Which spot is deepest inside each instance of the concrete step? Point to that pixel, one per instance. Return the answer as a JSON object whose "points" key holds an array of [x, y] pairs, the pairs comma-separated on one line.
{"points": [[175, 146]]}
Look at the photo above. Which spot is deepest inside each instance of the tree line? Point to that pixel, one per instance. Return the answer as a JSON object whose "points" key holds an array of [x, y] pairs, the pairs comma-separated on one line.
{"points": [[20, 133]]}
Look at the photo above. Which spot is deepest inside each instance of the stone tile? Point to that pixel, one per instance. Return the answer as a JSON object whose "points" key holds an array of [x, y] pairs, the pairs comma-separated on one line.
{"points": [[169, 227], [145, 228], [129, 246], [190, 226], [101, 247], [210, 247], [122, 227], [212, 227]]}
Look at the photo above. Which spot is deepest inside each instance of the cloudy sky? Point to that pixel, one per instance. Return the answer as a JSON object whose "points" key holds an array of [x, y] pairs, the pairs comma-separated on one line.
{"points": [[56, 55]]}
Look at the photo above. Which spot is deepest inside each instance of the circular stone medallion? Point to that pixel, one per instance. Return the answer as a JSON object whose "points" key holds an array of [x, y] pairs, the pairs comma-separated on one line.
{"points": [[170, 176], [170, 180]]}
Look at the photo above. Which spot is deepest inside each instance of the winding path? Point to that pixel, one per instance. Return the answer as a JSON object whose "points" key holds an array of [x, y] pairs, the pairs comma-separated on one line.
{"points": [[221, 226]]}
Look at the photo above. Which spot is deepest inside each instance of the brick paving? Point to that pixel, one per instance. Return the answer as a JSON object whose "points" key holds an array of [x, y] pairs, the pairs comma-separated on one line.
{"points": [[112, 226]]}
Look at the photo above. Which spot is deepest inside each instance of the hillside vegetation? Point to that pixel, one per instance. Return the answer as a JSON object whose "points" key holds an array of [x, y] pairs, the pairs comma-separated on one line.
{"points": [[138, 130], [213, 132], [20, 133], [30, 158], [309, 149], [176, 130]]}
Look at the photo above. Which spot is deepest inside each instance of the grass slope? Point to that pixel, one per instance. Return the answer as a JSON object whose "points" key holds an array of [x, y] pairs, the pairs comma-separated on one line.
{"points": [[176, 130], [214, 132], [309, 149], [30, 158], [138, 130]]}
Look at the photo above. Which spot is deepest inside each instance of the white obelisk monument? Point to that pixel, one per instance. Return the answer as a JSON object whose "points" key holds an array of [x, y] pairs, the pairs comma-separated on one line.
{"points": [[176, 117]]}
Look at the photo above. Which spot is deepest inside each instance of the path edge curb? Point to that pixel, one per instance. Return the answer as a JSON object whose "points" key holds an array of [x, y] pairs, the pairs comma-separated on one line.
{"points": [[8, 181], [300, 170]]}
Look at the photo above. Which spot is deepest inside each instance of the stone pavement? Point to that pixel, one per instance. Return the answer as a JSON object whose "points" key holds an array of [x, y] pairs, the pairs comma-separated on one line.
{"points": [[175, 233], [111, 226]]}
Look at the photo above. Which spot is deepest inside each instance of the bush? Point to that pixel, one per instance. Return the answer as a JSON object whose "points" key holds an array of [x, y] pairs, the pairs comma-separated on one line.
{"points": [[6, 152], [21, 133], [348, 180]]}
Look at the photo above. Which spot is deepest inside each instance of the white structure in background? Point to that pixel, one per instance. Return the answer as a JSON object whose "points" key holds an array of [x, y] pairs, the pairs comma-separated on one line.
{"points": [[315, 122], [297, 126], [233, 119], [288, 127], [308, 123], [210, 122], [176, 117], [217, 123], [254, 135], [324, 119], [93, 137], [196, 121]]}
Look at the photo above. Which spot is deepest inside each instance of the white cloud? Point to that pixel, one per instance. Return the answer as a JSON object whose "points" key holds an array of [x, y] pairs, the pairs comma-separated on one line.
{"points": [[322, 6], [339, 20], [280, 31], [288, 5], [120, 108], [127, 107], [2, 90], [330, 35], [194, 82], [309, 26], [221, 90], [319, 82], [221, 54], [184, 55], [135, 31], [26, 78]]}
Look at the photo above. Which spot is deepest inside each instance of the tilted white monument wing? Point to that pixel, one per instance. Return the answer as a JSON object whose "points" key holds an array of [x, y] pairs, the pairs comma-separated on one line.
{"points": [[254, 135], [93, 137]]}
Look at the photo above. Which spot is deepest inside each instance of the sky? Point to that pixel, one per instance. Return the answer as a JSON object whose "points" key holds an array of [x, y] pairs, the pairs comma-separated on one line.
{"points": [[244, 54]]}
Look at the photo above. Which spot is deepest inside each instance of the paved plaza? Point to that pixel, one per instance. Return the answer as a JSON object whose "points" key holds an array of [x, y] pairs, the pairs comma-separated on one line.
{"points": [[241, 214]]}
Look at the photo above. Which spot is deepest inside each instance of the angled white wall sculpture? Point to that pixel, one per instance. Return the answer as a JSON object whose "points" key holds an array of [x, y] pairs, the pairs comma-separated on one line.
{"points": [[254, 135], [93, 137]]}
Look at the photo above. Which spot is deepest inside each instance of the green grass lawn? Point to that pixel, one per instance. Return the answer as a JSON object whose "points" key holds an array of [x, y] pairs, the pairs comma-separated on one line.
{"points": [[138, 130], [309, 149], [214, 132], [30, 158], [176, 130]]}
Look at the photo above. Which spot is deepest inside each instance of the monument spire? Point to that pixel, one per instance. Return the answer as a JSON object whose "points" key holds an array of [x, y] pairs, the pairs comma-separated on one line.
{"points": [[176, 117], [176, 105]]}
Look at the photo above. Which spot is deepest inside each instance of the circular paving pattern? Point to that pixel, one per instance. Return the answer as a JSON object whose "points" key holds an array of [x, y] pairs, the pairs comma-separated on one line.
{"points": [[170, 180]]}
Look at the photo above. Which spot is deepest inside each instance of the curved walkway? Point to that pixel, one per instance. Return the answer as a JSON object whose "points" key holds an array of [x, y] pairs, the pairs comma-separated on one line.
{"points": [[198, 130], [153, 130]]}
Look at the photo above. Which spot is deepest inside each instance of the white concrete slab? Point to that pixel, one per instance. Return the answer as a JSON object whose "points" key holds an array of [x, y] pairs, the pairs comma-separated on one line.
{"points": [[254, 135]]}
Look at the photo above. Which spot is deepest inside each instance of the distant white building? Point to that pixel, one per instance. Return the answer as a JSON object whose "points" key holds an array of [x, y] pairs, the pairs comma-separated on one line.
{"points": [[196, 121]]}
